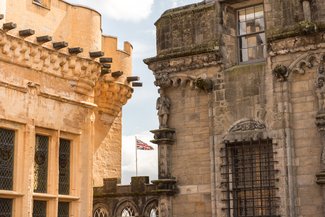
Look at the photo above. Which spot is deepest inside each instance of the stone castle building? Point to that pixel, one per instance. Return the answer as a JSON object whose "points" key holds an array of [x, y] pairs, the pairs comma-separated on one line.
{"points": [[62, 87], [242, 82]]}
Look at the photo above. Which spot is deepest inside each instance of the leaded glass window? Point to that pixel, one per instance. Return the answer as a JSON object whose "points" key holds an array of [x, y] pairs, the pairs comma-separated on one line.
{"points": [[7, 140], [101, 212], [63, 209], [41, 163], [64, 166], [128, 211], [39, 208], [251, 33], [250, 179], [5, 207]]}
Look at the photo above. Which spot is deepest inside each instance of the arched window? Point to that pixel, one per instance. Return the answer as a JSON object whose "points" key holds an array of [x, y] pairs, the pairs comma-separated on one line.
{"points": [[151, 209], [101, 212], [128, 211]]}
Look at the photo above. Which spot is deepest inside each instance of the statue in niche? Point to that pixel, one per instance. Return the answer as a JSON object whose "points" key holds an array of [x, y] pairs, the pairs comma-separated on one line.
{"points": [[163, 106]]}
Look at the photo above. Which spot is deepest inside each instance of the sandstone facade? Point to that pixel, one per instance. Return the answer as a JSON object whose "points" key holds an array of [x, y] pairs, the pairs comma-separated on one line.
{"points": [[248, 119], [57, 86]]}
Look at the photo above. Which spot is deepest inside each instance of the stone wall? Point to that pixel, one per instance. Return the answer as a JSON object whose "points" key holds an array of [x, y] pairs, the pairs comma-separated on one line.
{"points": [[280, 98]]}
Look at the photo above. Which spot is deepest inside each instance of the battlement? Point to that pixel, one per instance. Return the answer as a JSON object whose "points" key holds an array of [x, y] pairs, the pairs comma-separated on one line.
{"points": [[138, 185]]}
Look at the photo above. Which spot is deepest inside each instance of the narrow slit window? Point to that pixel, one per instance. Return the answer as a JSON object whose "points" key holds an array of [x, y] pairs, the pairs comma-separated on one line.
{"points": [[64, 166], [41, 163], [39, 208], [7, 140], [5, 207], [250, 179], [251, 33]]}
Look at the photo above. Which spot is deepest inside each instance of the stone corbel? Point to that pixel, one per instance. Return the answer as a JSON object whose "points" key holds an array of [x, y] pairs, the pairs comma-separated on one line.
{"points": [[111, 96], [281, 72]]}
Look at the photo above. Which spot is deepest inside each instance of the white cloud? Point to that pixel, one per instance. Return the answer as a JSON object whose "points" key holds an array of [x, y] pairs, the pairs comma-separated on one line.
{"points": [[125, 10], [147, 160]]}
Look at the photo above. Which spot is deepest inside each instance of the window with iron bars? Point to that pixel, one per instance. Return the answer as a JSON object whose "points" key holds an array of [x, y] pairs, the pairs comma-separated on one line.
{"points": [[250, 179]]}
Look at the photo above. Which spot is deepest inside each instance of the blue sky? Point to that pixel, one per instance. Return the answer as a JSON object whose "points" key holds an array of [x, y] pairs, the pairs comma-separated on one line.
{"points": [[133, 21]]}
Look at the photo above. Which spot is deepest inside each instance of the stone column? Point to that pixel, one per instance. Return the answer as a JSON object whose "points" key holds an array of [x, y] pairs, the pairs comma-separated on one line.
{"points": [[307, 10]]}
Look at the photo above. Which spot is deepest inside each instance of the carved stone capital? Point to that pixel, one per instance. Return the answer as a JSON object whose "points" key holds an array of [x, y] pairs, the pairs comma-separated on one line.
{"points": [[111, 96], [163, 136], [83, 73]]}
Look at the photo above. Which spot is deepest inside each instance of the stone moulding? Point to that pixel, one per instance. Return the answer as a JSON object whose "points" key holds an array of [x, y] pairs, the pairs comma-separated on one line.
{"points": [[247, 125], [111, 96], [84, 72], [165, 80], [180, 64], [245, 130]]}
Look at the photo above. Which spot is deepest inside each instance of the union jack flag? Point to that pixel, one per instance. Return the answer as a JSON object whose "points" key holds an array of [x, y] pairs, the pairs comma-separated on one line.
{"points": [[142, 145]]}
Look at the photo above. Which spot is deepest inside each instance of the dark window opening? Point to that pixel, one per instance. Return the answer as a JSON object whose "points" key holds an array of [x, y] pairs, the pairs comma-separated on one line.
{"points": [[5, 207], [41, 163], [7, 140], [39, 208], [63, 209], [249, 175], [64, 167]]}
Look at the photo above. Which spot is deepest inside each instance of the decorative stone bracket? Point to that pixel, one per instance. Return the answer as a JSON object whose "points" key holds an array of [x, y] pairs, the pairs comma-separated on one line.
{"points": [[164, 135], [165, 186], [111, 96], [281, 72]]}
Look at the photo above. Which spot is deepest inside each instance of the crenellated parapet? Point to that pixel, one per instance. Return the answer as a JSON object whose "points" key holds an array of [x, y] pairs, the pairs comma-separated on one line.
{"points": [[111, 96], [83, 73]]}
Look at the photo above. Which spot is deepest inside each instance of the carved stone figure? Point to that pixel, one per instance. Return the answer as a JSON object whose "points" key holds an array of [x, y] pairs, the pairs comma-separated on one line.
{"points": [[281, 72], [163, 106]]}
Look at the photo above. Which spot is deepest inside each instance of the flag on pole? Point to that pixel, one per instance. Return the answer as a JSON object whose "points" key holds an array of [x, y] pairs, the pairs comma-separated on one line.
{"points": [[142, 145]]}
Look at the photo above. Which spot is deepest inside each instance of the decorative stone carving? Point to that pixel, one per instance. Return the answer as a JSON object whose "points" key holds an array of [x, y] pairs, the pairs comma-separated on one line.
{"points": [[162, 80], [320, 121], [163, 106], [204, 84], [281, 72], [320, 79], [83, 72], [111, 96], [247, 125]]}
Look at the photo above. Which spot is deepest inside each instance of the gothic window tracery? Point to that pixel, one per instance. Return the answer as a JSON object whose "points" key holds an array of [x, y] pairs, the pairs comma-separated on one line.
{"points": [[128, 211], [101, 212]]}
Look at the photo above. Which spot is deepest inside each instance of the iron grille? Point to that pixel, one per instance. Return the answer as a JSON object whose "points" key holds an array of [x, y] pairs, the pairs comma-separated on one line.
{"points": [[250, 179], [39, 208], [7, 140], [64, 166], [41, 163], [63, 209], [5, 207]]}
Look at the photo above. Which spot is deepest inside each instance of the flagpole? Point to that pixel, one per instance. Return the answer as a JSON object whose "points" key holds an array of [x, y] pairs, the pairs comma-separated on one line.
{"points": [[136, 157]]}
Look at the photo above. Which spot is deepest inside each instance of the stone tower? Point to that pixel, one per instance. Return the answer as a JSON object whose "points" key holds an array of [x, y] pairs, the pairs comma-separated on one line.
{"points": [[245, 128]]}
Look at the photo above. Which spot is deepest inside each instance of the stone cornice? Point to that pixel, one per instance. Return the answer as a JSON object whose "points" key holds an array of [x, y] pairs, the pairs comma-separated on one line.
{"points": [[111, 96], [82, 72], [183, 63], [303, 43]]}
